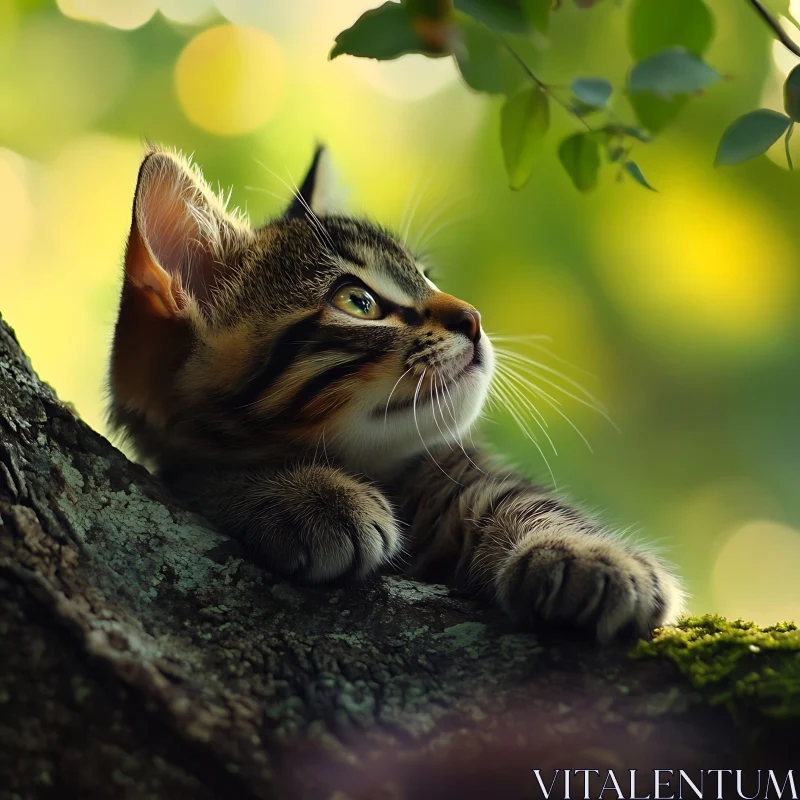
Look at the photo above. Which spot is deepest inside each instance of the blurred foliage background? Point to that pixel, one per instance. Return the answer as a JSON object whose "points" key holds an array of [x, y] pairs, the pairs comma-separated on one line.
{"points": [[682, 306]]}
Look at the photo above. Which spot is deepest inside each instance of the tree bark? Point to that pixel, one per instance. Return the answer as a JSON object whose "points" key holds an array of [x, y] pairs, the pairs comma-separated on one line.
{"points": [[142, 656]]}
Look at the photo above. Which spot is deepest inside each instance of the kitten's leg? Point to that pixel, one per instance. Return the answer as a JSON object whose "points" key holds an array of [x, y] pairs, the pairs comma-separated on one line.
{"points": [[541, 560], [313, 522]]}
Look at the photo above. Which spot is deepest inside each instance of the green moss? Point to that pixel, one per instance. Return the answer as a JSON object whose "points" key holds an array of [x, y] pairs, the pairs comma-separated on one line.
{"points": [[753, 671]]}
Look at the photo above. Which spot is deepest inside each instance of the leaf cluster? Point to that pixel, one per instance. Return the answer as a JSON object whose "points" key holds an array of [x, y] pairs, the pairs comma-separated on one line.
{"points": [[494, 43]]}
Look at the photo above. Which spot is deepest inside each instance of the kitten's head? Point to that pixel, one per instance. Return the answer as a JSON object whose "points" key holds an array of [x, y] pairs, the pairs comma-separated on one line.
{"points": [[314, 333]]}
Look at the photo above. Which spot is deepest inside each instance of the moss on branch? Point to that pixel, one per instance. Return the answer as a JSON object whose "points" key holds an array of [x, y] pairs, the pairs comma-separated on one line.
{"points": [[754, 672]]}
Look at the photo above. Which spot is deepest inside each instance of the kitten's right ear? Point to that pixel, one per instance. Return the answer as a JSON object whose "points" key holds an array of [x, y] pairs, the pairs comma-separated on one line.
{"points": [[318, 193], [182, 240]]}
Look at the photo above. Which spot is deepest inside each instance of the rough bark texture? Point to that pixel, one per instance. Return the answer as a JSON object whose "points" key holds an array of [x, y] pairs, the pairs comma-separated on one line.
{"points": [[141, 656]]}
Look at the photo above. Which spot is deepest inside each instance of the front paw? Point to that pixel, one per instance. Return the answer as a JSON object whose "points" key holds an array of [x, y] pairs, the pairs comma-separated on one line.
{"points": [[587, 581], [335, 528]]}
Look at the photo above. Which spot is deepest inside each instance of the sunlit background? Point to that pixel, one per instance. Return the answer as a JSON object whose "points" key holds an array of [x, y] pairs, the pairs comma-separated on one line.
{"points": [[678, 309]]}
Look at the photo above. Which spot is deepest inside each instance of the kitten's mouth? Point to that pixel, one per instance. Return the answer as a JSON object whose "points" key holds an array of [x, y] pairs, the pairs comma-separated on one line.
{"points": [[435, 390]]}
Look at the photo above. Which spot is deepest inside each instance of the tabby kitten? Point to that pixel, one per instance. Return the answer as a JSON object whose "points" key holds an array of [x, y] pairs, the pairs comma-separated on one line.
{"points": [[305, 386]]}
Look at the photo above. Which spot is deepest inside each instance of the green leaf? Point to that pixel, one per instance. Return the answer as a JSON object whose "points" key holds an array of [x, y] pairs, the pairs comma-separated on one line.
{"points": [[580, 158], [524, 120], [503, 16], [750, 136], [626, 130], [593, 92], [791, 94], [615, 153], [479, 57], [672, 72], [515, 78], [537, 12], [431, 9], [656, 25], [384, 33], [636, 133], [653, 112], [484, 62], [632, 168]]}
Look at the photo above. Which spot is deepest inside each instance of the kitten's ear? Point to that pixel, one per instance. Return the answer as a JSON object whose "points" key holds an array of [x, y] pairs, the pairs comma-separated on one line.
{"points": [[181, 239], [319, 191]]}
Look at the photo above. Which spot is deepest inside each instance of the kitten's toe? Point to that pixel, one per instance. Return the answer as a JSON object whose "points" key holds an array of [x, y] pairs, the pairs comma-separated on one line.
{"points": [[597, 585]]}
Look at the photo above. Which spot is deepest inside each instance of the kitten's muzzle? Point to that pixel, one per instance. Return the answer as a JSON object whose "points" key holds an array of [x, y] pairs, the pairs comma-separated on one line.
{"points": [[464, 320]]}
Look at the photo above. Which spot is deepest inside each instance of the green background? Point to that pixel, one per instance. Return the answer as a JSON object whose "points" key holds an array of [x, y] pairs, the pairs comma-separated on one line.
{"points": [[677, 309]]}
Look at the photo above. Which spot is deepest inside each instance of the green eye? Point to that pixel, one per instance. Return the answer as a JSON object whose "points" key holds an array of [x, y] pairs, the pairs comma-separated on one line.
{"points": [[357, 302]]}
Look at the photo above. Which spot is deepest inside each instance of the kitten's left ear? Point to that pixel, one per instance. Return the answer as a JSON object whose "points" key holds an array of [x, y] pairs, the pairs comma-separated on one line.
{"points": [[319, 191], [181, 239]]}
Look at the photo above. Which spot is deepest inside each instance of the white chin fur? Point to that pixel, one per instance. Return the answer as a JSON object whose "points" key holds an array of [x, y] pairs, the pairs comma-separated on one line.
{"points": [[378, 446]]}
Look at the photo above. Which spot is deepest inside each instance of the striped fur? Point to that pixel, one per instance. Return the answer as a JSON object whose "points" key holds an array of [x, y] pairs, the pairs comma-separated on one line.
{"points": [[331, 443]]}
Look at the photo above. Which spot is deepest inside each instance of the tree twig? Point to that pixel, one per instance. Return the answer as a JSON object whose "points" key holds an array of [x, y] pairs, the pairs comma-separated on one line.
{"points": [[786, 140], [543, 86], [773, 23]]}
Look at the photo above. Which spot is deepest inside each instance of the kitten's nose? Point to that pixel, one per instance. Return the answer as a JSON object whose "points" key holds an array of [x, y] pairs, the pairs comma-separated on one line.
{"points": [[466, 321], [454, 315]]}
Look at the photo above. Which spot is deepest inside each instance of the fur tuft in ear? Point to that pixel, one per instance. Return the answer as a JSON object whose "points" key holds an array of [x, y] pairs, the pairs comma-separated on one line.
{"points": [[182, 238], [318, 192]]}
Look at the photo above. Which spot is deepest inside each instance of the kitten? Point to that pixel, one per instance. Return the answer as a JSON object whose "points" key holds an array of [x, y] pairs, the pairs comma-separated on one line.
{"points": [[301, 384]]}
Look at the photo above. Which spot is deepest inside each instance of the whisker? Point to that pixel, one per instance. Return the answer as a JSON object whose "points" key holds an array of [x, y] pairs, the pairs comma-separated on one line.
{"points": [[389, 400], [554, 404], [531, 363], [524, 428], [532, 371], [313, 218], [419, 433], [436, 398], [511, 387], [413, 212], [500, 337], [437, 223], [535, 341], [265, 191], [505, 370], [409, 199], [459, 438]]}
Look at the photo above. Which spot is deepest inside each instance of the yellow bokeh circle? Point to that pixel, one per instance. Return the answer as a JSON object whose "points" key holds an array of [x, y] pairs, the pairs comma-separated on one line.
{"points": [[230, 79], [755, 573], [701, 264]]}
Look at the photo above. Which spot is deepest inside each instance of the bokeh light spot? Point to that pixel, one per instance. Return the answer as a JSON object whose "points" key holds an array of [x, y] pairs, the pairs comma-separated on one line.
{"points": [[122, 14], [186, 12], [60, 292], [699, 266], [44, 103], [785, 61], [16, 211], [755, 574], [412, 77], [230, 79]]}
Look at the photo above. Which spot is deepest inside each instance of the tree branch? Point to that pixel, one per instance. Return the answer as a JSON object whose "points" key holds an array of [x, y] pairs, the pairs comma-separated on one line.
{"points": [[142, 655], [773, 23]]}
